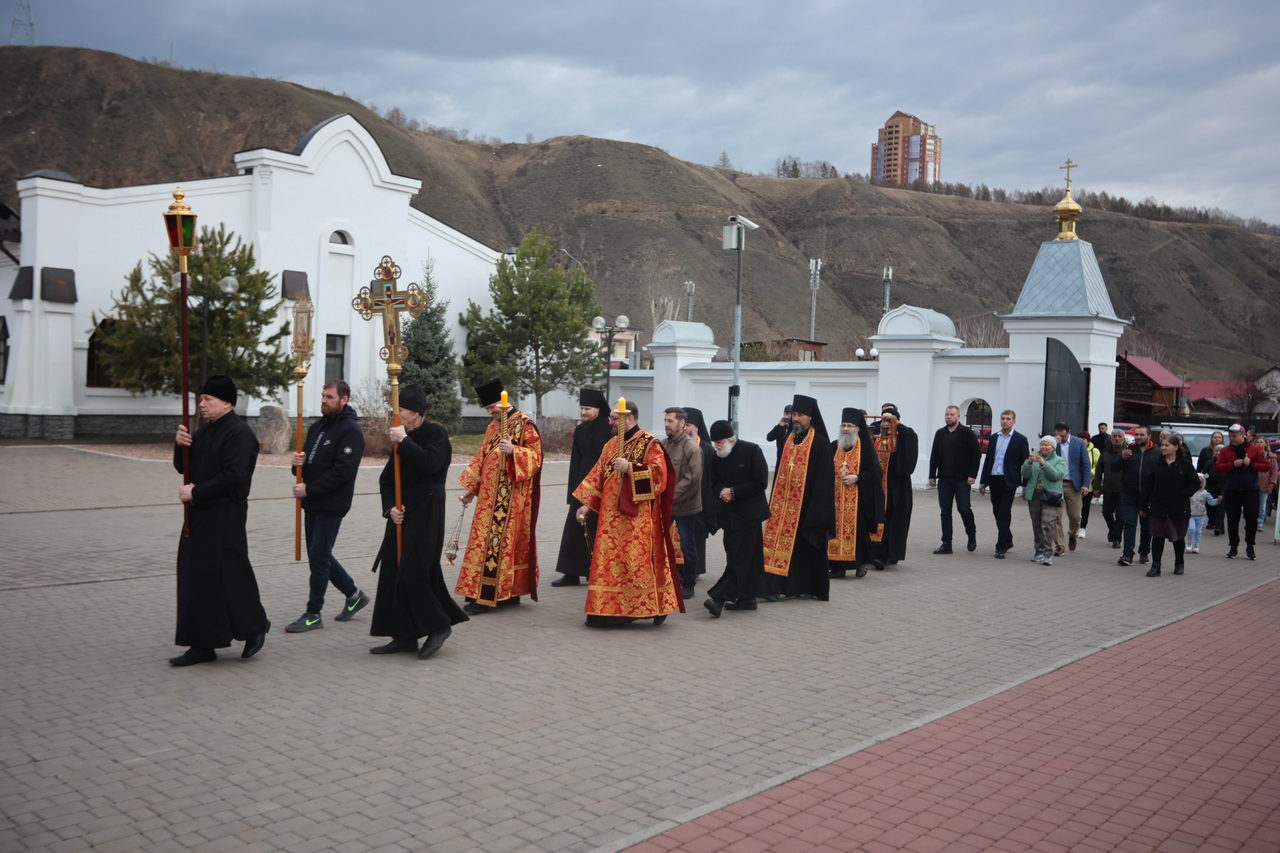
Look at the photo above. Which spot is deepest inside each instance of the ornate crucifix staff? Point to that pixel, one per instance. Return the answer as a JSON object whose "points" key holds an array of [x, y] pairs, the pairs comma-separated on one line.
{"points": [[302, 313], [381, 297]]}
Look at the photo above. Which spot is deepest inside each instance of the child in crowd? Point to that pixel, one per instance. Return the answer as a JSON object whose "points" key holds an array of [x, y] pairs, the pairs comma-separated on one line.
{"points": [[1200, 503]]}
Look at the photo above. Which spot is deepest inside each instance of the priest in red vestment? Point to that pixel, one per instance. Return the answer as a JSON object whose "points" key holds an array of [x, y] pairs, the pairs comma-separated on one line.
{"points": [[859, 504], [504, 479], [633, 562]]}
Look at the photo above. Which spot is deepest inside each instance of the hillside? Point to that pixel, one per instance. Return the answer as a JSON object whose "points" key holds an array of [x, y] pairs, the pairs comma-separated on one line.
{"points": [[643, 222]]}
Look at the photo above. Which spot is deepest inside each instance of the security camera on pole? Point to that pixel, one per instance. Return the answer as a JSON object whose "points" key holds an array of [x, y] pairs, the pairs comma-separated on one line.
{"points": [[735, 239]]}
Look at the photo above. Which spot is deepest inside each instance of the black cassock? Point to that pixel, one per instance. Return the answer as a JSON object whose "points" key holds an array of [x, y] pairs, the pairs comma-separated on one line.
{"points": [[589, 440], [745, 471], [897, 511], [218, 597], [413, 600]]}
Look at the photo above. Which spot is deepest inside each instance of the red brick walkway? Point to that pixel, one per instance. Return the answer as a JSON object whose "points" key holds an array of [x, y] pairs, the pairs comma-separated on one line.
{"points": [[1169, 742]]}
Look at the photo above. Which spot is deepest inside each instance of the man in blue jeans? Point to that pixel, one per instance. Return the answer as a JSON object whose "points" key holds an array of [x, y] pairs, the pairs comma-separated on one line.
{"points": [[330, 460], [1135, 465]]}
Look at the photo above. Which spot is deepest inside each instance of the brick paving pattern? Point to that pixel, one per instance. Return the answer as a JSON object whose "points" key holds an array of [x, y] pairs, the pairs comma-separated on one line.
{"points": [[528, 731], [1169, 741]]}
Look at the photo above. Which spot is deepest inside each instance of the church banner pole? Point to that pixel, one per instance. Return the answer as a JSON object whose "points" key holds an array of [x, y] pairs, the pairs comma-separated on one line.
{"points": [[180, 224], [302, 346], [381, 297]]}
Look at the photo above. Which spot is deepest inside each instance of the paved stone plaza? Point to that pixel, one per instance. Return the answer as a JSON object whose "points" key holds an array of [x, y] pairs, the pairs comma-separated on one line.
{"points": [[528, 731]]}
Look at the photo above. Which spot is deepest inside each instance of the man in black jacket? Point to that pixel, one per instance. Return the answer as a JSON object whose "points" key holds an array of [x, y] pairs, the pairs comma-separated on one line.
{"points": [[218, 598], [1002, 473], [739, 476], [953, 468], [1135, 465], [330, 460]]}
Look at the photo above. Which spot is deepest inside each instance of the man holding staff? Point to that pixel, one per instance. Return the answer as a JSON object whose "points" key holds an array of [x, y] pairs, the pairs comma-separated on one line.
{"points": [[218, 597], [329, 463], [501, 563]]}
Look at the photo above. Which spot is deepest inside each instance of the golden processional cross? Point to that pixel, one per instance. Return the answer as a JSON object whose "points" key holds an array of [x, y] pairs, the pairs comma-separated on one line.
{"points": [[382, 297]]}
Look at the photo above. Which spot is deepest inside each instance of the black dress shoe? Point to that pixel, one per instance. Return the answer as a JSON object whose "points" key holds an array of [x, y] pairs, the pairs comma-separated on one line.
{"points": [[194, 655], [877, 565], [744, 604], [836, 573], [475, 609], [1142, 558], [253, 645], [860, 571], [432, 644], [566, 580], [973, 542], [395, 646], [713, 607], [942, 549], [999, 555], [658, 620], [687, 593], [1154, 571], [1178, 567]]}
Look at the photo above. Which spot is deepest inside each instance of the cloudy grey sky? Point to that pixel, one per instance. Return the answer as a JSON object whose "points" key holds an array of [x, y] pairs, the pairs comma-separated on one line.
{"points": [[1176, 100]]}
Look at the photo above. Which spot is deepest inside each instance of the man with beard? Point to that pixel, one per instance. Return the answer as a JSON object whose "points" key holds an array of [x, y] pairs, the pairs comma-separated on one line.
{"points": [[739, 476], [1239, 463], [501, 562], [686, 497], [859, 506], [330, 460], [953, 468], [218, 597], [633, 564], [801, 508], [413, 599], [1135, 466], [589, 438], [898, 450]]}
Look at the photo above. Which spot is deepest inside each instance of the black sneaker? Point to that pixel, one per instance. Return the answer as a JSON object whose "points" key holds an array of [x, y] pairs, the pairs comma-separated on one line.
{"points": [[354, 605], [973, 542], [305, 622], [942, 549], [1232, 552], [1248, 552]]}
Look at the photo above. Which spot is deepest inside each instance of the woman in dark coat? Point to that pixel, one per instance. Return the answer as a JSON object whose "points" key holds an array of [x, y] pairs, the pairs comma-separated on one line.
{"points": [[1166, 501], [413, 600]]}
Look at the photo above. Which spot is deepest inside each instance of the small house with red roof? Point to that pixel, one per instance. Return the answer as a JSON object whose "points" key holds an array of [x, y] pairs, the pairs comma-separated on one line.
{"points": [[1145, 387]]}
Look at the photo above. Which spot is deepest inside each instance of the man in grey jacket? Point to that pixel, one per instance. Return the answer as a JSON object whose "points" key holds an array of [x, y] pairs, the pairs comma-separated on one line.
{"points": [[686, 502]]}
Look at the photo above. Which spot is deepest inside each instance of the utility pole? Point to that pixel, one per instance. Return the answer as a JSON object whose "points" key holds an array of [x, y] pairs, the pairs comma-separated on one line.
{"points": [[688, 289], [23, 29], [815, 274], [888, 283]]}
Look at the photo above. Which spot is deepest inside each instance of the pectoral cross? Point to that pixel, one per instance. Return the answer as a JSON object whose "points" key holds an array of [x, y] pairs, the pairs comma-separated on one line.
{"points": [[381, 297], [1069, 166]]}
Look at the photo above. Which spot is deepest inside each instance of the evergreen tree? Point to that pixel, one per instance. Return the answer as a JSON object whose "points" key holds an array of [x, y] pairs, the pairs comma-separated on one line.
{"points": [[724, 163], [431, 365], [140, 346], [535, 339]]}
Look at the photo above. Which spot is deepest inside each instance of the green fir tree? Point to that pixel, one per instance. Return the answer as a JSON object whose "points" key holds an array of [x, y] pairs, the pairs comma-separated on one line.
{"points": [[431, 365]]}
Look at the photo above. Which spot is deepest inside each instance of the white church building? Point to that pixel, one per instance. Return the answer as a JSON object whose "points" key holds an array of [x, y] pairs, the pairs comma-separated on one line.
{"points": [[322, 217], [319, 218]]}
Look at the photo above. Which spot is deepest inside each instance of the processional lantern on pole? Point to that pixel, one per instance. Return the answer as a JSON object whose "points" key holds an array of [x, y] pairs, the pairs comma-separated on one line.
{"points": [[180, 224], [303, 311], [382, 297]]}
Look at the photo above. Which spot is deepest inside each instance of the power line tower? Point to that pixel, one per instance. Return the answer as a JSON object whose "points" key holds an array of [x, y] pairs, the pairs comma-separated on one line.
{"points": [[23, 29]]}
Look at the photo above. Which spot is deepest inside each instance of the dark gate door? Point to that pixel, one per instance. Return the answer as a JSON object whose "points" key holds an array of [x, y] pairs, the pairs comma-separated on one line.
{"points": [[1066, 391]]}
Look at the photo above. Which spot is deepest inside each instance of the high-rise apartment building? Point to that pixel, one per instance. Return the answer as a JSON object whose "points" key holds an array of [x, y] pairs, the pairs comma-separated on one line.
{"points": [[908, 150]]}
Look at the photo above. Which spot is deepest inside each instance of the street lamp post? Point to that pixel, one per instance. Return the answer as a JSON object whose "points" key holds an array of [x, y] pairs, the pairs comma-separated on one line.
{"points": [[228, 285], [619, 324], [735, 239], [887, 282], [180, 223], [688, 289]]}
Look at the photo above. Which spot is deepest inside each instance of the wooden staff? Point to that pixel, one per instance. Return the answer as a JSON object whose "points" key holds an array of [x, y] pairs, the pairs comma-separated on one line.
{"points": [[180, 223], [302, 313], [381, 297]]}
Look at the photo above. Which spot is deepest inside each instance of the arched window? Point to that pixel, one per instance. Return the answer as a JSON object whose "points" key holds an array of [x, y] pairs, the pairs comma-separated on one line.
{"points": [[342, 238], [978, 414], [95, 373]]}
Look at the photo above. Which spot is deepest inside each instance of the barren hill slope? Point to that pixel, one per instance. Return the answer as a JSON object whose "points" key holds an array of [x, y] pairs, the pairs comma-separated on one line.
{"points": [[643, 222]]}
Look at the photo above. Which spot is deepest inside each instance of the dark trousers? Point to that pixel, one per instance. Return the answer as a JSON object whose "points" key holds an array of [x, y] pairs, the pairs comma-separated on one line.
{"points": [[322, 532], [1002, 495], [691, 546], [957, 489], [1110, 503], [1133, 523], [1085, 503], [1216, 515], [1246, 501]]}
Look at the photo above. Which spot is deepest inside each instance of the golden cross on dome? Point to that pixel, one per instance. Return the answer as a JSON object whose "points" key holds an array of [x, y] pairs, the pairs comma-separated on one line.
{"points": [[1069, 166]]}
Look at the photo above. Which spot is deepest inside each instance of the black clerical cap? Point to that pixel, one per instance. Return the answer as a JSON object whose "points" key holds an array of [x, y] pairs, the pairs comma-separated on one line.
{"points": [[222, 387], [592, 397], [850, 415], [413, 399], [891, 410], [802, 405], [694, 416], [490, 392], [721, 430]]}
